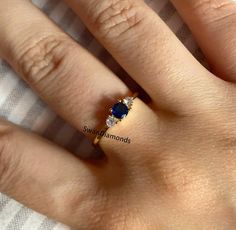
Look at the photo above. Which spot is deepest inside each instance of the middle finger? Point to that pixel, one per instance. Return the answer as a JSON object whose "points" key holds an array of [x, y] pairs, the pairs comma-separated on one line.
{"points": [[66, 76]]}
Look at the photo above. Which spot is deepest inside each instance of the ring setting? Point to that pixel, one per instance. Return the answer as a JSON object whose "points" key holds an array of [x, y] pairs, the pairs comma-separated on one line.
{"points": [[118, 112]]}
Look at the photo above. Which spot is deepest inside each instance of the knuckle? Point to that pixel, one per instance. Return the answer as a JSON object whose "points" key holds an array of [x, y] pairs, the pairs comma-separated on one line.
{"points": [[176, 180], [177, 174], [40, 61], [185, 185], [8, 165], [215, 10], [182, 179], [116, 17]]}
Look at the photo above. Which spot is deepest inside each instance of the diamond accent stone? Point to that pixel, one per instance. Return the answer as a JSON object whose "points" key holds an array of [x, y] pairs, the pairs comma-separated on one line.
{"points": [[111, 121], [128, 101], [123, 116]]}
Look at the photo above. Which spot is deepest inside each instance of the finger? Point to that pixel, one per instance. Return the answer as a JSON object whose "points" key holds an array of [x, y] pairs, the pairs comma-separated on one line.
{"points": [[213, 24], [146, 48], [140, 122], [45, 177], [66, 76]]}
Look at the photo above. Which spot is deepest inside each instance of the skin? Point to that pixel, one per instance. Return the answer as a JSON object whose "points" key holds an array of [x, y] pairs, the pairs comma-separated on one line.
{"points": [[179, 172]]}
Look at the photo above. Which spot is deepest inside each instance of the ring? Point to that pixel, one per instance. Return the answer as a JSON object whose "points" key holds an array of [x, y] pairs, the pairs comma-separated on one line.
{"points": [[118, 112]]}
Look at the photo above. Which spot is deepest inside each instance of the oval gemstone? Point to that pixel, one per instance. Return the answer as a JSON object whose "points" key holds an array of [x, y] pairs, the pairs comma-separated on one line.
{"points": [[120, 110]]}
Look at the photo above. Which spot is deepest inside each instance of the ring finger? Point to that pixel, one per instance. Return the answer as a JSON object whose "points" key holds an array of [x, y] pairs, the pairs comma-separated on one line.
{"points": [[142, 43]]}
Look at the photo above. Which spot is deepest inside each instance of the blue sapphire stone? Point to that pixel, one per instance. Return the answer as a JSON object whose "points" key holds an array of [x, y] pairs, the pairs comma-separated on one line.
{"points": [[120, 110]]}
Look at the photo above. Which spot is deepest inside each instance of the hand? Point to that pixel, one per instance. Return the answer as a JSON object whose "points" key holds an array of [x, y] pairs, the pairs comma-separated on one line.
{"points": [[178, 172]]}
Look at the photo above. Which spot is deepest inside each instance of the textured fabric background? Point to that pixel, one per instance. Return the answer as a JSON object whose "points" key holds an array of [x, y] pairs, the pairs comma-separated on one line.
{"points": [[21, 106]]}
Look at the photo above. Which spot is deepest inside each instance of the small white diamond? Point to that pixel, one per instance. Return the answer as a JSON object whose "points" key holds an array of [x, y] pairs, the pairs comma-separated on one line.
{"points": [[123, 116], [110, 121], [128, 101]]}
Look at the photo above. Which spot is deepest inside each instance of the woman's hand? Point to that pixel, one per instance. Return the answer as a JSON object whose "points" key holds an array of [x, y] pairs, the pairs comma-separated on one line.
{"points": [[179, 171]]}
